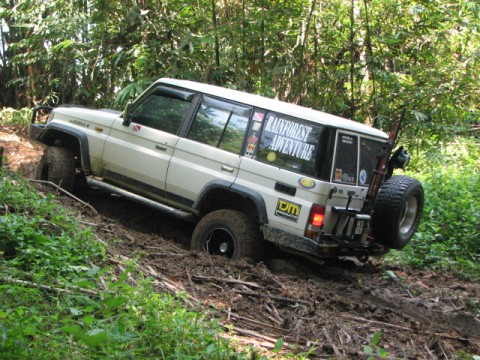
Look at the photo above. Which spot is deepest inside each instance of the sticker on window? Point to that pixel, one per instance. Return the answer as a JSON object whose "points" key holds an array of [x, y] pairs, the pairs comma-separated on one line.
{"points": [[362, 177], [250, 150], [290, 137], [288, 210], [338, 174], [258, 116]]}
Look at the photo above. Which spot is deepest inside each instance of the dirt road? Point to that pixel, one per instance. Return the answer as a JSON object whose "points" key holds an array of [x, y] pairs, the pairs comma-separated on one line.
{"points": [[336, 307]]}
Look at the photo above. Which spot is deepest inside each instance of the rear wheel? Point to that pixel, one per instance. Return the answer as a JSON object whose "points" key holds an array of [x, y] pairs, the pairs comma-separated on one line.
{"points": [[228, 233], [397, 211], [58, 166]]}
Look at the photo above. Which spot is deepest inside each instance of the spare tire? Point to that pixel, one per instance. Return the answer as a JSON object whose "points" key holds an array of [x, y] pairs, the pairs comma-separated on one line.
{"points": [[397, 211]]}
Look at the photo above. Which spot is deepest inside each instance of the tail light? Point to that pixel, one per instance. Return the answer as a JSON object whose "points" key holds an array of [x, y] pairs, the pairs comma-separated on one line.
{"points": [[315, 221]]}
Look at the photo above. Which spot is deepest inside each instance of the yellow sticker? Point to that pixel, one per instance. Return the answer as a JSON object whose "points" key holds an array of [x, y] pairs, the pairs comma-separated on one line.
{"points": [[288, 210], [306, 183], [271, 156]]}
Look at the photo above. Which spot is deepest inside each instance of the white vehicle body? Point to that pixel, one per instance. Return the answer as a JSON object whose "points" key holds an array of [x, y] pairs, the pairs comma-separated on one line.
{"points": [[300, 175]]}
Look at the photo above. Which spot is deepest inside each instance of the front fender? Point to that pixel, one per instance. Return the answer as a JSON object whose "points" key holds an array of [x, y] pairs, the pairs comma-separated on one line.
{"points": [[54, 132]]}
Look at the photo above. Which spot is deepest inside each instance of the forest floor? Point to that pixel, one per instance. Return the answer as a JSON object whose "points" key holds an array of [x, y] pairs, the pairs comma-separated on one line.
{"points": [[337, 307]]}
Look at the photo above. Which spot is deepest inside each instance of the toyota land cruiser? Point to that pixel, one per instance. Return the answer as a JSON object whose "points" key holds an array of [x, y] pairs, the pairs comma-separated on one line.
{"points": [[247, 169]]}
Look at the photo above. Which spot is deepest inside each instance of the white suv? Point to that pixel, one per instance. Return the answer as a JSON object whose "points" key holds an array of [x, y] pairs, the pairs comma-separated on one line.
{"points": [[249, 169]]}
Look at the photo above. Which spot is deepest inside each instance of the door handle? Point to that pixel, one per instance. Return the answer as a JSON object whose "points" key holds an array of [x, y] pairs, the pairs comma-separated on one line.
{"points": [[286, 189], [227, 168], [161, 147]]}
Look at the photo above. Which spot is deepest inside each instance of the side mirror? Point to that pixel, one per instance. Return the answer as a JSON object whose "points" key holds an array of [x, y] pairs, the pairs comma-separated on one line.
{"points": [[127, 115]]}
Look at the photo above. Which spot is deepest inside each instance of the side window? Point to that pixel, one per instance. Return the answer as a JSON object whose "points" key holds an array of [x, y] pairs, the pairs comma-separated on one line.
{"points": [[368, 160], [164, 109], [346, 159], [290, 143], [220, 124]]}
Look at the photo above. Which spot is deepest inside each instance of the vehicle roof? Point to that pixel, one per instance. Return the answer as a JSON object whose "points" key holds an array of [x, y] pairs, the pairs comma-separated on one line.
{"points": [[275, 105]]}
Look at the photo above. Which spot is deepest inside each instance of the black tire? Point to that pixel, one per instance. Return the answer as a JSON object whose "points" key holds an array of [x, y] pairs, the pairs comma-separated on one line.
{"points": [[229, 233], [397, 211], [58, 166]]}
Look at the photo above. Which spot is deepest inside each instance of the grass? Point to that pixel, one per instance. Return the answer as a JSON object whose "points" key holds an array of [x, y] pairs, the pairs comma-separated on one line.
{"points": [[61, 300], [447, 238]]}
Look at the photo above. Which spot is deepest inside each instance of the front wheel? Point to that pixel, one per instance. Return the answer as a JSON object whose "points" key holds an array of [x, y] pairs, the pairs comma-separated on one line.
{"points": [[397, 211], [228, 233], [58, 166]]}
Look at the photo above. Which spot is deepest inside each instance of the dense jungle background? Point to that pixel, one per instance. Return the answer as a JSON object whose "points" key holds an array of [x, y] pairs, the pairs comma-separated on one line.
{"points": [[118, 281]]}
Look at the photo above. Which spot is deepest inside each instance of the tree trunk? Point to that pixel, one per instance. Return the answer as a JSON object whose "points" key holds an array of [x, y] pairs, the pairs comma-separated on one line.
{"points": [[215, 26]]}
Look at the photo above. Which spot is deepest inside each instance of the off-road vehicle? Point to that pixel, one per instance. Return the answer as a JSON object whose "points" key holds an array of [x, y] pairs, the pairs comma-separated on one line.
{"points": [[247, 169]]}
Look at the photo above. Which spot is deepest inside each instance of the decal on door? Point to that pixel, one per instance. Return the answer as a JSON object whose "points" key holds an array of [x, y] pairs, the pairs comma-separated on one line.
{"points": [[288, 210]]}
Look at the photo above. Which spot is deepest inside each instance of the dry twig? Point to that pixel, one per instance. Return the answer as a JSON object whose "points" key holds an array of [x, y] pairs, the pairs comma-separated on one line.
{"points": [[226, 281], [276, 298], [66, 193], [49, 288]]}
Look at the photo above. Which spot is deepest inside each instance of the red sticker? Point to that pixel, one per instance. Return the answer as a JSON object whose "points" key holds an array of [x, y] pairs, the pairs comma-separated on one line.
{"points": [[258, 116]]}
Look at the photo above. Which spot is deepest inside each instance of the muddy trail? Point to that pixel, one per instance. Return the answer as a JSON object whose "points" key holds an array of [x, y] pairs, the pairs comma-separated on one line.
{"points": [[334, 308]]}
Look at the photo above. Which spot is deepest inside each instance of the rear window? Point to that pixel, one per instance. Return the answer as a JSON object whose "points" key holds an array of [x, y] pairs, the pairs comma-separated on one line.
{"points": [[290, 143], [369, 150], [346, 159], [349, 167]]}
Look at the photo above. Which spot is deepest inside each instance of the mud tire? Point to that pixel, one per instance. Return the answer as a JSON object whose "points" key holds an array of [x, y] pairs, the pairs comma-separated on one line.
{"points": [[58, 166], [397, 211], [229, 233]]}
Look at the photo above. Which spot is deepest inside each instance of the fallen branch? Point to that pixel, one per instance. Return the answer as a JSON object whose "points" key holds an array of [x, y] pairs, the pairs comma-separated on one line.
{"points": [[360, 319], [226, 281], [169, 285], [258, 323], [274, 316], [381, 323], [332, 345], [277, 298], [49, 288], [164, 254], [66, 193], [253, 334]]}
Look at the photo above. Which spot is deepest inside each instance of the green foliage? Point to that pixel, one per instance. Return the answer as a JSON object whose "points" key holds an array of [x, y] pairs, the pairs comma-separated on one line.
{"points": [[448, 234], [40, 235], [335, 55], [51, 305], [9, 116], [373, 349]]}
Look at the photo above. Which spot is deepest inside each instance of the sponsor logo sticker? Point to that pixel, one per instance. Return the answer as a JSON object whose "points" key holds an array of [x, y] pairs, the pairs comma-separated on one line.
{"points": [[306, 183], [363, 177], [288, 210]]}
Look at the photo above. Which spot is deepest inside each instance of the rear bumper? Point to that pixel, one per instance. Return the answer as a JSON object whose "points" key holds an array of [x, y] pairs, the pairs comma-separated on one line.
{"points": [[323, 247]]}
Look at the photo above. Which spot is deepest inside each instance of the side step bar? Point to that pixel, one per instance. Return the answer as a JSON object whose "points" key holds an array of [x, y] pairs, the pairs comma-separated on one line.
{"points": [[140, 199]]}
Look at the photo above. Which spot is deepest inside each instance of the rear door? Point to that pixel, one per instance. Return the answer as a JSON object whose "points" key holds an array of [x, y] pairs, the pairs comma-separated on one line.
{"points": [[137, 156], [353, 168]]}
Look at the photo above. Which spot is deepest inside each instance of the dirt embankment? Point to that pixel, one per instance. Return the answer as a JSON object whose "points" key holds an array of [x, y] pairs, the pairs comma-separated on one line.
{"points": [[336, 307]]}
